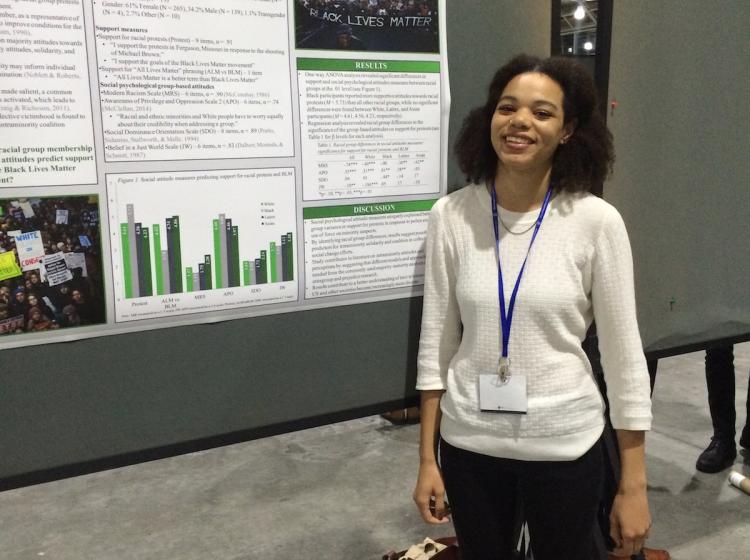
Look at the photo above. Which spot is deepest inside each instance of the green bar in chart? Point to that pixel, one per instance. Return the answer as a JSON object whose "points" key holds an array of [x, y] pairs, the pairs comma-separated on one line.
{"points": [[279, 272], [228, 252], [156, 230], [224, 259], [126, 260], [272, 249], [189, 279], [217, 254], [246, 273]]}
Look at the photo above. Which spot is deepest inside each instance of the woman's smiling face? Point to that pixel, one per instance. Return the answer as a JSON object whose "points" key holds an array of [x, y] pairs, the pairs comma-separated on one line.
{"points": [[529, 122]]}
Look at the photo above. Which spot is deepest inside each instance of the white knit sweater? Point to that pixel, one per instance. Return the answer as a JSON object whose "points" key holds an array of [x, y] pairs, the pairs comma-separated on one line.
{"points": [[580, 268]]}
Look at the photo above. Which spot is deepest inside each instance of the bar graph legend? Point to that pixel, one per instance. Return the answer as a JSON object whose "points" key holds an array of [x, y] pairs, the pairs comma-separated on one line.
{"points": [[194, 242]]}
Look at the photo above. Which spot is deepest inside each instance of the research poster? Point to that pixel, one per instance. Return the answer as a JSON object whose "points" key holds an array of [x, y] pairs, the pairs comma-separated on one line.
{"points": [[175, 162]]}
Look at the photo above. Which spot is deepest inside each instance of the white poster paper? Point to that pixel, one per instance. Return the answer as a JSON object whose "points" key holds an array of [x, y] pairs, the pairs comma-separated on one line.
{"points": [[26, 208], [76, 260], [55, 269], [30, 250]]}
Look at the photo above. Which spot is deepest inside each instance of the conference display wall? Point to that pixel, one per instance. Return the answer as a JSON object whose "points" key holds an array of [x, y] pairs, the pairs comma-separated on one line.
{"points": [[99, 402], [679, 81]]}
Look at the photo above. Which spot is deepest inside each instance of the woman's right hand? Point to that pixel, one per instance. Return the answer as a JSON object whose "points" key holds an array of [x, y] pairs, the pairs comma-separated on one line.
{"points": [[430, 490]]}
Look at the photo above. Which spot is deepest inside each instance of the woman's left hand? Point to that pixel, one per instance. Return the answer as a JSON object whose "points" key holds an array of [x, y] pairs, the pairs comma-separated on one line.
{"points": [[630, 521]]}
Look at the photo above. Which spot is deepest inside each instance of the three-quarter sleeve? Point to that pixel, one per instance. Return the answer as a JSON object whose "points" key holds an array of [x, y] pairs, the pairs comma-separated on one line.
{"points": [[441, 322], [613, 297]]}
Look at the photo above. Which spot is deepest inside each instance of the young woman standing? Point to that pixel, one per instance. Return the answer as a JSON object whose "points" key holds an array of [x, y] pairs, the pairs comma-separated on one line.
{"points": [[519, 263]]}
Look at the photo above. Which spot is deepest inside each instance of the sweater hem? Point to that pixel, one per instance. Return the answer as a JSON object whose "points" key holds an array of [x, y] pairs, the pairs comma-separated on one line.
{"points": [[566, 447]]}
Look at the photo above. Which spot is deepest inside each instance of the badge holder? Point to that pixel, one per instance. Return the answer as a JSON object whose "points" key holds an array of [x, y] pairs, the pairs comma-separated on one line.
{"points": [[503, 392]]}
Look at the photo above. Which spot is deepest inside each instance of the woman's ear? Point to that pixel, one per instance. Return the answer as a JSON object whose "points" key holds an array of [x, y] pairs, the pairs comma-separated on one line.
{"points": [[568, 130]]}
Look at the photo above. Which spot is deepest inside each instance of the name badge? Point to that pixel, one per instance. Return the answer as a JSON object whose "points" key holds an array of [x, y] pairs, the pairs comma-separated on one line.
{"points": [[496, 395]]}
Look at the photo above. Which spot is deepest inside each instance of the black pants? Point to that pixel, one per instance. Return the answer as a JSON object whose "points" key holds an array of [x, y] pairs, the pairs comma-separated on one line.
{"points": [[560, 500], [720, 384]]}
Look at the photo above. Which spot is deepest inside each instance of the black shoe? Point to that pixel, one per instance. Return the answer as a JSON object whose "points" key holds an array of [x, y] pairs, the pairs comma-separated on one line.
{"points": [[719, 455], [745, 439]]}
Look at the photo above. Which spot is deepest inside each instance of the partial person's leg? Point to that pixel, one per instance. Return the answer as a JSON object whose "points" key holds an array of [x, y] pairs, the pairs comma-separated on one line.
{"points": [[721, 452], [745, 438], [561, 500], [720, 384], [482, 496]]}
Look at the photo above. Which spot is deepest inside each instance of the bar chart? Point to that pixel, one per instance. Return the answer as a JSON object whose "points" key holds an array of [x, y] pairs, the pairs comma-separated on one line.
{"points": [[188, 242], [221, 269]]}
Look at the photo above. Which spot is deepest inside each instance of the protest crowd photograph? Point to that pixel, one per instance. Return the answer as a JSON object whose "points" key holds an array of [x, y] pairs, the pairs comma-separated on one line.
{"points": [[50, 264]]}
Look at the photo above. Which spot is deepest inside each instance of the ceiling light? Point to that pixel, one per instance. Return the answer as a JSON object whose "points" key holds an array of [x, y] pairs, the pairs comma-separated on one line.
{"points": [[588, 45], [580, 13]]}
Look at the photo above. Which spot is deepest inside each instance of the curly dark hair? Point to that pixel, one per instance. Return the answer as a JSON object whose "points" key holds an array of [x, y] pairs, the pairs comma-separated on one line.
{"points": [[581, 164]]}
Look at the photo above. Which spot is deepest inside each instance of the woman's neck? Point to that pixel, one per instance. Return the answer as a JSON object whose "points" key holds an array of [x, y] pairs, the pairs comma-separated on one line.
{"points": [[521, 191]]}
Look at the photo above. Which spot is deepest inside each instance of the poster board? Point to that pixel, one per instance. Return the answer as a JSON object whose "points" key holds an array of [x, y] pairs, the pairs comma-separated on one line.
{"points": [[214, 161], [100, 402]]}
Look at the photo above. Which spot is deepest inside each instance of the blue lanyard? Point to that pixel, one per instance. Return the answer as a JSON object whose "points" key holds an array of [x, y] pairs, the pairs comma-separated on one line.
{"points": [[507, 317]]}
